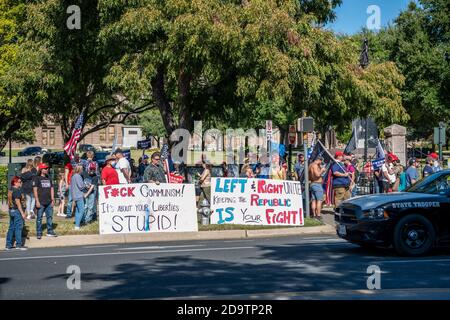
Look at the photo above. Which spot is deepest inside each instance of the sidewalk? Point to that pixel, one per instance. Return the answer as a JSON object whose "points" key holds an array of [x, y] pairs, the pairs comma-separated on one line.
{"points": [[83, 240]]}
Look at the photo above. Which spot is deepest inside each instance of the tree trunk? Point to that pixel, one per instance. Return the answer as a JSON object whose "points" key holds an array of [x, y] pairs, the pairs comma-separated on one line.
{"points": [[8, 133], [184, 100], [159, 95]]}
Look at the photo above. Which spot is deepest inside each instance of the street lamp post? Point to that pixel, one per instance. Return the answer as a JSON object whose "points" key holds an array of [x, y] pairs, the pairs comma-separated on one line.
{"points": [[306, 125]]}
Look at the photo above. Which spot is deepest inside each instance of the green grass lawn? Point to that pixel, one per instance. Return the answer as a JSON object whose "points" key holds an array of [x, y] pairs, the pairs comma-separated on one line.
{"points": [[66, 227]]}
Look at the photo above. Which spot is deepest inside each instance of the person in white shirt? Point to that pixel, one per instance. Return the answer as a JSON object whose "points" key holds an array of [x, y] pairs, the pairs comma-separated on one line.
{"points": [[389, 177], [122, 167]]}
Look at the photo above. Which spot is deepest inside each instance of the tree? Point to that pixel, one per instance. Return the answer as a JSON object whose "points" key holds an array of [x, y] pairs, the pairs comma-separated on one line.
{"points": [[418, 43], [15, 119], [60, 71], [152, 123], [239, 63]]}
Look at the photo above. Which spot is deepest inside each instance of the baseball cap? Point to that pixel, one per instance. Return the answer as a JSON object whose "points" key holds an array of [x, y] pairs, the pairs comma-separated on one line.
{"points": [[339, 154], [434, 155], [109, 158], [411, 161], [43, 166], [145, 157]]}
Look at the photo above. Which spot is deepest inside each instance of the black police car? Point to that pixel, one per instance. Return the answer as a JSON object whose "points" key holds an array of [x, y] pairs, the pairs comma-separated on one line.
{"points": [[413, 222]]}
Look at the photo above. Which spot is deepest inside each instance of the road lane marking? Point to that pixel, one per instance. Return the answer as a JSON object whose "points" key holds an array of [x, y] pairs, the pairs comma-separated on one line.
{"points": [[161, 247], [123, 253], [104, 246]]}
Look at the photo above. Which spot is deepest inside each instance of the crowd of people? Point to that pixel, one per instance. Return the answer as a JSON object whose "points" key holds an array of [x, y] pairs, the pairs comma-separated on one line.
{"points": [[32, 193], [341, 181]]}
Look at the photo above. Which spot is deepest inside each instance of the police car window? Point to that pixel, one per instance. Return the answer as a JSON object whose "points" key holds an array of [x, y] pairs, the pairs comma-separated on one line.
{"points": [[440, 185]]}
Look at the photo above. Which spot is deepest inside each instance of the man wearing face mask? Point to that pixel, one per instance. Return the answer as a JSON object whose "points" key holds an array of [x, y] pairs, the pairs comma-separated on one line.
{"points": [[109, 174]]}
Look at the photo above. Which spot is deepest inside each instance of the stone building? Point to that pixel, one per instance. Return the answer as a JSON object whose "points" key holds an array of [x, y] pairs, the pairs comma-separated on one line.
{"points": [[49, 136]]}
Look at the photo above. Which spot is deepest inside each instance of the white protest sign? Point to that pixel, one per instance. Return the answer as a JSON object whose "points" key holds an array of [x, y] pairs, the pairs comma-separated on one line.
{"points": [[147, 208], [256, 202]]}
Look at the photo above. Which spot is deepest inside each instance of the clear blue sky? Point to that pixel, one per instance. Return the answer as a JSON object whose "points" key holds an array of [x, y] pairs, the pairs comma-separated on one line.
{"points": [[352, 14]]}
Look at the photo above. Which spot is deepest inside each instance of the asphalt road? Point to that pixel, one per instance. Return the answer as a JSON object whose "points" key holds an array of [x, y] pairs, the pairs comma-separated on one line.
{"points": [[316, 267]]}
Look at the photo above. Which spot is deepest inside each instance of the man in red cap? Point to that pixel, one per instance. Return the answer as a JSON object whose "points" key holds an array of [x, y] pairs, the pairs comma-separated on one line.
{"points": [[45, 199], [436, 165], [341, 180]]}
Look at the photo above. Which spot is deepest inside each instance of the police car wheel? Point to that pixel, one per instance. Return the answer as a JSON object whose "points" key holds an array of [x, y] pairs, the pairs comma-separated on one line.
{"points": [[414, 235]]}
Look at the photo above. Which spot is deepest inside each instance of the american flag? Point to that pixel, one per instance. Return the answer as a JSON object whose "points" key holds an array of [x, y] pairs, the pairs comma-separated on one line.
{"points": [[171, 177], [71, 145]]}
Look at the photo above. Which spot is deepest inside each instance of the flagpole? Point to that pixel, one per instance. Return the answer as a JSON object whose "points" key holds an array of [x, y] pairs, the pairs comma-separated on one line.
{"points": [[305, 147]]}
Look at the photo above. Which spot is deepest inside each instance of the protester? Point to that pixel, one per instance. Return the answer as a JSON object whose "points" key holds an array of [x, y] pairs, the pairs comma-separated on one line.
{"points": [[36, 162], [284, 170], [276, 172], [225, 169], [68, 171], [123, 167], [90, 164], [78, 188], [316, 171], [412, 174], [249, 173], [436, 164], [91, 183], [245, 166], [352, 173], [77, 161], [428, 169], [45, 200], [154, 173], [264, 171], [143, 163], [388, 177], [204, 182], [299, 166], [378, 183], [402, 185], [397, 168], [27, 177], [62, 190], [109, 174], [16, 216], [341, 180]]}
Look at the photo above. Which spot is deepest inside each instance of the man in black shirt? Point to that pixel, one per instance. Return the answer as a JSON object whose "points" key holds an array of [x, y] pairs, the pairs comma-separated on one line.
{"points": [[45, 199]]}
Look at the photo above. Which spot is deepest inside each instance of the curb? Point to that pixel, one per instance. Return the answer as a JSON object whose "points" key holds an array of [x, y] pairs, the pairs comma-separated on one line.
{"points": [[95, 239]]}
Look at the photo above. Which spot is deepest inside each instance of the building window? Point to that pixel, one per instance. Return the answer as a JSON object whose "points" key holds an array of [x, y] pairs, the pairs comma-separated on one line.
{"points": [[48, 137], [132, 132], [44, 137], [52, 137], [111, 133], [103, 135]]}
